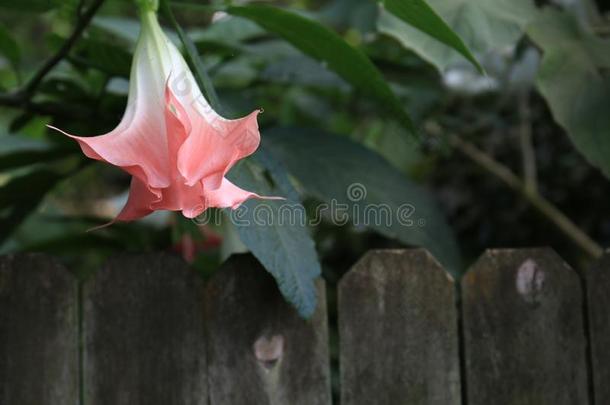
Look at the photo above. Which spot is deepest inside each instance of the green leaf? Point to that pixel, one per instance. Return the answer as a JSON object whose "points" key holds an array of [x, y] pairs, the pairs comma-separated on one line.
{"points": [[63, 234], [19, 151], [230, 30], [9, 48], [483, 25], [301, 70], [334, 168], [104, 56], [33, 6], [127, 29], [324, 45], [239, 72], [21, 195], [284, 247], [421, 16], [573, 78], [352, 14]]}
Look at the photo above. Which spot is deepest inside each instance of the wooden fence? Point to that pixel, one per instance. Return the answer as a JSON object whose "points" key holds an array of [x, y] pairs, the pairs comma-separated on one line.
{"points": [[523, 328]]}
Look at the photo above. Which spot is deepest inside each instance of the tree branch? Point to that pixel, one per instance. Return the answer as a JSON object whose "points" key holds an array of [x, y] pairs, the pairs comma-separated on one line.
{"points": [[23, 96], [546, 208]]}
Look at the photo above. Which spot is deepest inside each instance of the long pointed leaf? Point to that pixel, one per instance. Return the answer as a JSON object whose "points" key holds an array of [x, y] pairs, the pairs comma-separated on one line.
{"points": [[421, 16], [322, 44]]}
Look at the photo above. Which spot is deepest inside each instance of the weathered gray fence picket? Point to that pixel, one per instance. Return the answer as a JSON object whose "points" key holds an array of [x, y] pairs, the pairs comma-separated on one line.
{"points": [[38, 332], [146, 330], [398, 331], [143, 333], [524, 335], [260, 351]]}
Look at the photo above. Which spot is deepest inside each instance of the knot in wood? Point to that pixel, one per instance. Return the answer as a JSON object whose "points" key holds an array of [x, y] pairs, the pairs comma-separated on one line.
{"points": [[269, 350], [529, 281]]}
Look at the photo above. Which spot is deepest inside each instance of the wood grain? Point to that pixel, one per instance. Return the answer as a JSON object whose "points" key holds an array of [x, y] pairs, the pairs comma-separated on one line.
{"points": [[398, 331], [523, 330], [38, 332], [260, 351], [144, 333]]}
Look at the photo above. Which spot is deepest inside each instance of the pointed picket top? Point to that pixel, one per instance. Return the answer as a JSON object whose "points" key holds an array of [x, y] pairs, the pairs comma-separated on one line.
{"points": [[524, 337], [260, 350], [398, 331]]}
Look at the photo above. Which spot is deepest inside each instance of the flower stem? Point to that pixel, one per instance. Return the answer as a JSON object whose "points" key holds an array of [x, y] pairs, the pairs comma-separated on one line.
{"points": [[148, 5], [151, 35]]}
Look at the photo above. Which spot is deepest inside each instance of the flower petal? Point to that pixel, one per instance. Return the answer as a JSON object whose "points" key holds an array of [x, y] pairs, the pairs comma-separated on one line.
{"points": [[140, 201], [177, 128], [138, 144], [129, 150], [179, 197], [228, 195], [212, 148]]}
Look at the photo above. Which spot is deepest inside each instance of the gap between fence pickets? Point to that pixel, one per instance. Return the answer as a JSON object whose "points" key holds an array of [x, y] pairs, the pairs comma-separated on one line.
{"points": [[597, 282], [528, 281]]}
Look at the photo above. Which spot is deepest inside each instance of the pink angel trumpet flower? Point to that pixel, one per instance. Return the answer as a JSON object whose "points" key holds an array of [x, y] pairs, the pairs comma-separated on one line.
{"points": [[176, 147]]}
